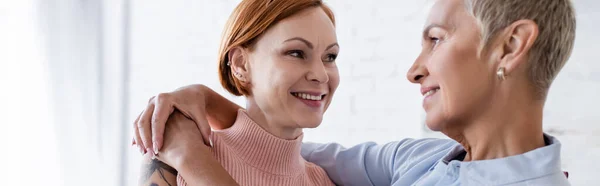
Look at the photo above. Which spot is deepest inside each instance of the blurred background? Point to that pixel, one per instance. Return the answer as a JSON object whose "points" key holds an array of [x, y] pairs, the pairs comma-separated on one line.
{"points": [[76, 73]]}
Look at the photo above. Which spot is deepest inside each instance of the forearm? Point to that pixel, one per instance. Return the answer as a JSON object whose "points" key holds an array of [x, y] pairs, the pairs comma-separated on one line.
{"points": [[372, 164], [156, 173], [221, 112], [203, 169], [363, 164]]}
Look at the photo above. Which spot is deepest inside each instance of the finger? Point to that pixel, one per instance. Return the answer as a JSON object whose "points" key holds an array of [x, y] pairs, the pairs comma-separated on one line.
{"points": [[162, 111], [204, 130], [199, 117], [151, 100], [143, 126], [136, 135]]}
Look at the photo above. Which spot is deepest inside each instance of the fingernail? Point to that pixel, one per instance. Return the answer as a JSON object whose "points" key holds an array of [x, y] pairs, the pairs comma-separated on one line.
{"points": [[149, 150], [141, 149], [155, 148]]}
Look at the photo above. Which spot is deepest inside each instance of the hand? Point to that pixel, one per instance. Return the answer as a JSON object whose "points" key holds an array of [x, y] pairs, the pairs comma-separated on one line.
{"points": [[191, 159], [149, 126], [182, 140]]}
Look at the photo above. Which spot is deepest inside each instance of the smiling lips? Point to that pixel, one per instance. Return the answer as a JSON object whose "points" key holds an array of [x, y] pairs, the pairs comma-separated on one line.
{"points": [[309, 96], [428, 91], [311, 99]]}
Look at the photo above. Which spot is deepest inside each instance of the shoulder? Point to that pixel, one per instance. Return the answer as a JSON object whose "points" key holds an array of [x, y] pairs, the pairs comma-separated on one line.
{"points": [[313, 169], [424, 153], [425, 146], [415, 149], [317, 174]]}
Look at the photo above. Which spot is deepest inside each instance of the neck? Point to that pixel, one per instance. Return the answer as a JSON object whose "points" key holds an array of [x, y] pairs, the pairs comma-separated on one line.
{"points": [[511, 125], [258, 148], [270, 123]]}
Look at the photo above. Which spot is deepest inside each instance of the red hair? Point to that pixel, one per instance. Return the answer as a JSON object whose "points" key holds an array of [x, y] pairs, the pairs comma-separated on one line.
{"points": [[248, 21]]}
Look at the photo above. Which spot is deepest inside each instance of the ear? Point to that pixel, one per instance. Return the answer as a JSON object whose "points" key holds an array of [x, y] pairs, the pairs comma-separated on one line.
{"points": [[238, 58], [517, 42]]}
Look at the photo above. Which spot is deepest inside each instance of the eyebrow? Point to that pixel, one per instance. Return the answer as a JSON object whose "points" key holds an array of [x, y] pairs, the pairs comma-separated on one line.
{"points": [[309, 44], [332, 45], [429, 27]]}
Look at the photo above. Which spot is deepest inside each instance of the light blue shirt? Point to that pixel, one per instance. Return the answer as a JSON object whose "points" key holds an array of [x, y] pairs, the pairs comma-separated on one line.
{"points": [[432, 162]]}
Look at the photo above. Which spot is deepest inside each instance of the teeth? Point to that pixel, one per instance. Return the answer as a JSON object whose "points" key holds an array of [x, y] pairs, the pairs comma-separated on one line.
{"points": [[430, 92], [308, 96]]}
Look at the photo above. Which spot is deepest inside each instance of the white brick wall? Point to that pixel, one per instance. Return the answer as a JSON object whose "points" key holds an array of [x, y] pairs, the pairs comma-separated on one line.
{"points": [[175, 43]]}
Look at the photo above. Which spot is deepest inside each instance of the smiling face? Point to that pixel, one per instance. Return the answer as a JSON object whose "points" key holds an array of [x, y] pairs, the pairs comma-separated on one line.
{"points": [[455, 80], [291, 71]]}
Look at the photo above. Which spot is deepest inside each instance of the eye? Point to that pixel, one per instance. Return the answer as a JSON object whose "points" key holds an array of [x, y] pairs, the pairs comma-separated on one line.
{"points": [[296, 53], [330, 58], [434, 40]]}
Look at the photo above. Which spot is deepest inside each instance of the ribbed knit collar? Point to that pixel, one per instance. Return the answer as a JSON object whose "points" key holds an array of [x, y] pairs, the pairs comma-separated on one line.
{"points": [[261, 149]]}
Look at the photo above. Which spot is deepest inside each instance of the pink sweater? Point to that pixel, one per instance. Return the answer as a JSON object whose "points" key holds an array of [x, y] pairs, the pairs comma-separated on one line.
{"points": [[252, 156]]}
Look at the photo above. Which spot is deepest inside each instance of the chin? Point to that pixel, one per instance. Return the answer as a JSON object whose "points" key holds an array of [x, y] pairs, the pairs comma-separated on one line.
{"points": [[310, 122], [434, 123]]}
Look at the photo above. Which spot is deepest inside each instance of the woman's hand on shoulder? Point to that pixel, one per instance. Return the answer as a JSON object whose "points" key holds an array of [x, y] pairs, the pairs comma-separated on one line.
{"points": [[149, 127]]}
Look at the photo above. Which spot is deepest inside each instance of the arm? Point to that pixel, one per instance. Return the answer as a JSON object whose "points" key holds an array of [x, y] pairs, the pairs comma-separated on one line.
{"points": [[184, 151], [197, 102], [196, 168], [202, 169], [372, 164], [220, 112], [156, 173]]}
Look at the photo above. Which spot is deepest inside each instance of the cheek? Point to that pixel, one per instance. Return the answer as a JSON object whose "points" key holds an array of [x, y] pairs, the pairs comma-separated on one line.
{"points": [[266, 78], [464, 83], [446, 77], [280, 79], [452, 71], [334, 79]]}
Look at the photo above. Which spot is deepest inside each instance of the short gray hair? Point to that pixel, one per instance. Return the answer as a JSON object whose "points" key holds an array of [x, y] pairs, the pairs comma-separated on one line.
{"points": [[556, 23]]}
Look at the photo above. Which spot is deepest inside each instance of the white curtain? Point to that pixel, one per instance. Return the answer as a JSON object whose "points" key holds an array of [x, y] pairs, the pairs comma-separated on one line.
{"points": [[27, 141], [65, 61]]}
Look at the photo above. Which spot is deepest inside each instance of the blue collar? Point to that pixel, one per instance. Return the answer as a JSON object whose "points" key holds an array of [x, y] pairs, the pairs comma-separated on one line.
{"points": [[537, 163]]}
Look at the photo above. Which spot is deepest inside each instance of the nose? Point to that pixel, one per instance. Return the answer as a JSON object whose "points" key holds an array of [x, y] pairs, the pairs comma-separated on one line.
{"points": [[417, 72], [317, 73]]}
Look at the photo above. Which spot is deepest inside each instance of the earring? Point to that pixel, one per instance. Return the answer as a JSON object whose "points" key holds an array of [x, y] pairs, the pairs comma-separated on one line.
{"points": [[500, 73], [238, 75]]}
